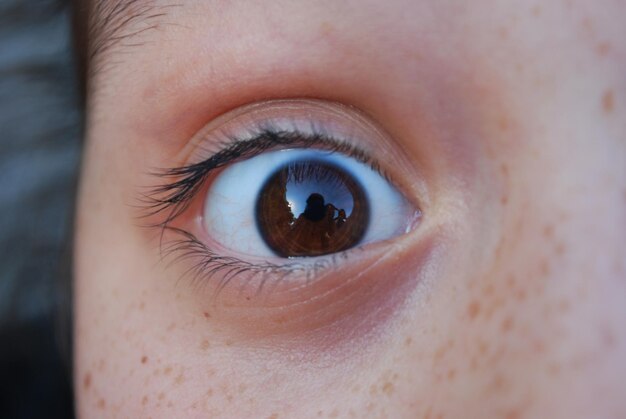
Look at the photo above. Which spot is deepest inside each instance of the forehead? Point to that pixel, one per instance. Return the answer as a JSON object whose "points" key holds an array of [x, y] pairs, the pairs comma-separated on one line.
{"points": [[226, 38]]}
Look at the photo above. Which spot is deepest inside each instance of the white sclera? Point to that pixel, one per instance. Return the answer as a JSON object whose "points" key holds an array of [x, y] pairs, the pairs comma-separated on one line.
{"points": [[229, 209]]}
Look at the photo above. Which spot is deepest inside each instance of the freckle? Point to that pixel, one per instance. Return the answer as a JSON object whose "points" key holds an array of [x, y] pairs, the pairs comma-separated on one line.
{"points": [[603, 49], [554, 369], [488, 290], [609, 338], [440, 352], [482, 347], [503, 123], [504, 169], [520, 295], [548, 231], [334, 413], [204, 345], [510, 281], [180, 379], [142, 305], [560, 248], [373, 390], [536, 10], [326, 28], [544, 267], [504, 199], [451, 374], [87, 381], [564, 306], [539, 346], [507, 324], [473, 309], [101, 403], [587, 24], [171, 327], [161, 396], [273, 416], [144, 400], [513, 414], [408, 341], [498, 382], [503, 32], [608, 102], [206, 315], [167, 370], [144, 359], [229, 342], [388, 388]]}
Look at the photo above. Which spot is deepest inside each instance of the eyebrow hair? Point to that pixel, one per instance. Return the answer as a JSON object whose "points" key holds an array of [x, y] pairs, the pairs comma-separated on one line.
{"points": [[113, 23]]}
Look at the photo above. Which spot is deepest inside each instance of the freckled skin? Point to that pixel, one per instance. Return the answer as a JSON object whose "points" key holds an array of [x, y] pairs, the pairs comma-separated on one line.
{"points": [[514, 114]]}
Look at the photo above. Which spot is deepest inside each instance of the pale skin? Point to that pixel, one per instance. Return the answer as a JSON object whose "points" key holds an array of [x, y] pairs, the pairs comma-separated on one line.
{"points": [[507, 300]]}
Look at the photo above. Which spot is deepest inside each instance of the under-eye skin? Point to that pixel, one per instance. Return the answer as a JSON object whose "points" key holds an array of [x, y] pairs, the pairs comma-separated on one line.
{"points": [[280, 190]]}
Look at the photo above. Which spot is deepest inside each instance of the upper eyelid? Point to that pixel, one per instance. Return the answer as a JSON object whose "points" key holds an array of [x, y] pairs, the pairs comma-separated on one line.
{"points": [[177, 194]]}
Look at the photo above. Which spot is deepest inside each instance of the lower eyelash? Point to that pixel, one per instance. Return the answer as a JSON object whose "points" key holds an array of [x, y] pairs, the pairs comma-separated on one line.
{"points": [[208, 263]]}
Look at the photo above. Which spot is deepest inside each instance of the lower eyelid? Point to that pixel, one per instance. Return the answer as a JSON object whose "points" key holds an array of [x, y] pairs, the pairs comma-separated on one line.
{"points": [[347, 301]]}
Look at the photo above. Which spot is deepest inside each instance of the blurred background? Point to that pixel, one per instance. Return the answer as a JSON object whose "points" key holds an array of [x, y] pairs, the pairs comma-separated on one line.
{"points": [[40, 135]]}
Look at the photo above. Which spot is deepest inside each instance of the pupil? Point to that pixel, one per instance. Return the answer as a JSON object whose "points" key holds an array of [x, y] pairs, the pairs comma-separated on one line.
{"points": [[311, 208]]}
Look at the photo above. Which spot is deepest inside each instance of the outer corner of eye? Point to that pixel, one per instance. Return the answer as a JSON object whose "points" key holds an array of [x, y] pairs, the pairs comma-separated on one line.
{"points": [[298, 203]]}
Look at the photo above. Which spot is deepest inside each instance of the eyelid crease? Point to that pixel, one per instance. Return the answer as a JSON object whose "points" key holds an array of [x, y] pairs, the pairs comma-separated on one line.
{"points": [[177, 195]]}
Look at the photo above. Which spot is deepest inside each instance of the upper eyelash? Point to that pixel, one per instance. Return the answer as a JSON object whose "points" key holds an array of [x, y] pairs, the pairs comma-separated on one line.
{"points": [[176, 195]]}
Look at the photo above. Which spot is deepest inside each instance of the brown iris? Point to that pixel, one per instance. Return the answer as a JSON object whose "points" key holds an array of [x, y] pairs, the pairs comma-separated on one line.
{"points": [[311, 208]]}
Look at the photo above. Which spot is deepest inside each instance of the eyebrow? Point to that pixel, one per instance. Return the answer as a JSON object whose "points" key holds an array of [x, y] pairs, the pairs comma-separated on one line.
{"points": [[115, 23]]}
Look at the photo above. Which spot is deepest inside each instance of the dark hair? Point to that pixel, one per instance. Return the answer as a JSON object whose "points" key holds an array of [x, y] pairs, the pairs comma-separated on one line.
{"points": [[41, 117]]}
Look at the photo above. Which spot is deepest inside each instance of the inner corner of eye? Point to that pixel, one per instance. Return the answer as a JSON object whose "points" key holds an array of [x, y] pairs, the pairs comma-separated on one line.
{"points": [[301, 203]]}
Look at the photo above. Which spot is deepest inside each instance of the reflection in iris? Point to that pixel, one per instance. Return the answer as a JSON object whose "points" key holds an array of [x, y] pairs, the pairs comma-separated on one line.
{"points": [[311, 208]]}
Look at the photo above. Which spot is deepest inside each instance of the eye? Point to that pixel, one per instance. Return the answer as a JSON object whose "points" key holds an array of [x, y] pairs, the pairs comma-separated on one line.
{"points": [[302, 203], [278, 189], [289, 212]]}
